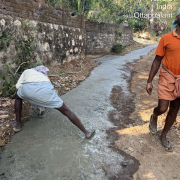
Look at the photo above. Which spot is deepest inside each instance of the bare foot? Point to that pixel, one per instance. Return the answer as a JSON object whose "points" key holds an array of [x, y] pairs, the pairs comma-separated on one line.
{"points": [[89, 134], [16, 126]]}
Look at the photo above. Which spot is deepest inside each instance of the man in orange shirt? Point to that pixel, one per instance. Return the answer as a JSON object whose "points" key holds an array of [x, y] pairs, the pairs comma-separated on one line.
{"points": [[168, 51]]}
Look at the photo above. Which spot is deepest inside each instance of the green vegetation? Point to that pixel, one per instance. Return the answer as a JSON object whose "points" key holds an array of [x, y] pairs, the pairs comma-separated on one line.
{"points": [[25, 46], [122, 12], [4, 41], [117, 48], [118, 33]]}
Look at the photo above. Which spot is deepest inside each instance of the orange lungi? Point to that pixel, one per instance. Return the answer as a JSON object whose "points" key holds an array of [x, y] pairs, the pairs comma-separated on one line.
{"points": [[167, 89]]}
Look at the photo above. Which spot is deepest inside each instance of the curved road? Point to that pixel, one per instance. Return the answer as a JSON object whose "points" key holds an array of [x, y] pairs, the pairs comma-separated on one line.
{"points": [[53, 149]]}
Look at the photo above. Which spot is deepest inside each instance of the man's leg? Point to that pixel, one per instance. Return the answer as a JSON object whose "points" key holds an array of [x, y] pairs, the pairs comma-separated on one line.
{"points": [[18, 109], [160, 109], [170, 119], [74, 119]]}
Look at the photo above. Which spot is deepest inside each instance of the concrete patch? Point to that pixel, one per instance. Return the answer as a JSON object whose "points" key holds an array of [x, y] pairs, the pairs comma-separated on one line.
{"points": [[52, 148]]}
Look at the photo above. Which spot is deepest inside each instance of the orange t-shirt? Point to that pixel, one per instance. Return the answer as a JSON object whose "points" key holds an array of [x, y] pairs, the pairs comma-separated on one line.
{"points": [[169, 47]]}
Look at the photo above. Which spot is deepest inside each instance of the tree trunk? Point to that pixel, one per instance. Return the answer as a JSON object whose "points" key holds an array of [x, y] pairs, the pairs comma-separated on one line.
{"points": [[83, 6], [152, 20]]}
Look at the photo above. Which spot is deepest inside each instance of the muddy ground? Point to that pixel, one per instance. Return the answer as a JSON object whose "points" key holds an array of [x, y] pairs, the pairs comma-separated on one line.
{"points": [[132, 134]]}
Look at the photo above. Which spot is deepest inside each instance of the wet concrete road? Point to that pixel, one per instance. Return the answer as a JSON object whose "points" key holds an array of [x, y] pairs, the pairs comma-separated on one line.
{"points": [[54, 149]]}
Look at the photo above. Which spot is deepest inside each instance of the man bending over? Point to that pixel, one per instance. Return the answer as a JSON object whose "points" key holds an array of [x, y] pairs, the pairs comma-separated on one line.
{"points": [[34, 86]]}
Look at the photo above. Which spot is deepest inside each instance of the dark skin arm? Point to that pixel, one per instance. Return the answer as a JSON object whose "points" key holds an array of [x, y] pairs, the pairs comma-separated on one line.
{"points": [[154, 69]]}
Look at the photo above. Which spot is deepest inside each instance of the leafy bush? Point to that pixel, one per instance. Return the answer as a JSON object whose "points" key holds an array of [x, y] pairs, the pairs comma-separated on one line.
{"points": [[117, 48], [139, 23], [130, 22], [119, 20], [119, 33], [10, 77], [4, 41]]}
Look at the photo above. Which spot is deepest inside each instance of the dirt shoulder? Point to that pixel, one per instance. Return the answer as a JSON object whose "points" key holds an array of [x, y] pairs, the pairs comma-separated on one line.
{"points": [[134, 136]]}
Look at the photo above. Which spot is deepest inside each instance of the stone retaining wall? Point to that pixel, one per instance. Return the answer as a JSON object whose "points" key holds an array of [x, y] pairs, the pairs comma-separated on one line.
{"points": [[100, 37], [39, 11], [61, 36]]}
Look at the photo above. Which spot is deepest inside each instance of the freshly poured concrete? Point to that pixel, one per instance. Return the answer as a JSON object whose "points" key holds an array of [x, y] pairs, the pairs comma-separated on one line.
{"points": [[54, 149]]}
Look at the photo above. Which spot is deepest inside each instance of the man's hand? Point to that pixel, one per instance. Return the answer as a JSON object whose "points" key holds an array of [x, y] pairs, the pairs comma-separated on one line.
{"points": [[149, 88]]}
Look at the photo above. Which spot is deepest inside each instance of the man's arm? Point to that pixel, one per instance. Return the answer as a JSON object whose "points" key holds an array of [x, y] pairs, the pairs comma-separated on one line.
{"points": [[154, 69]]}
